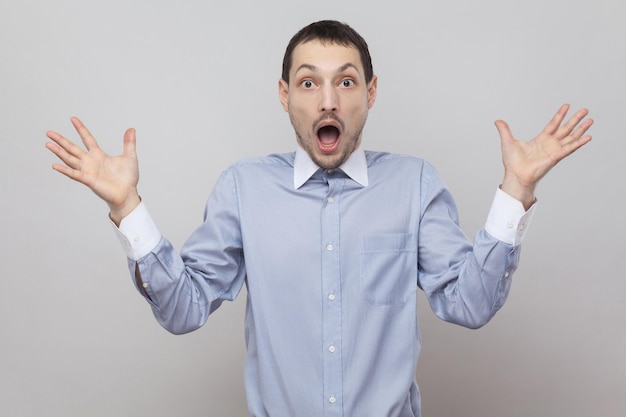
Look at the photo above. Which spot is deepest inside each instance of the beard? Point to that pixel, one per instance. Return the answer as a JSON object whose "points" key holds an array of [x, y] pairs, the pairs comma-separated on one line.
{"points": [[349, 141]]}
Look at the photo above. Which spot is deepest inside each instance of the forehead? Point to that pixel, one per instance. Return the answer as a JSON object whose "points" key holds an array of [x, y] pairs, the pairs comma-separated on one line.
{"points": [[325, 55]]}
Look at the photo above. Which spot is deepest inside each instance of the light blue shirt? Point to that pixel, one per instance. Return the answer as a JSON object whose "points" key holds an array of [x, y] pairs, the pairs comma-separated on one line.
{"points": [[332, 261]]}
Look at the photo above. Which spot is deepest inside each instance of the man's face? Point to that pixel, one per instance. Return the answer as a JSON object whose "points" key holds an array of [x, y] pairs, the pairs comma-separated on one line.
{"points": [[327, 99]]}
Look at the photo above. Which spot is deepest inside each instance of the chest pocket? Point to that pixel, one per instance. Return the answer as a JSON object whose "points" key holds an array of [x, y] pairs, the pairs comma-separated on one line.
{"points": [[389, 268]]}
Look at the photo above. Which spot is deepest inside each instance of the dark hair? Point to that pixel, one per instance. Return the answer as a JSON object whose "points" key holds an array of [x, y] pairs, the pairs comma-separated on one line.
{"points": [[333, 32]]}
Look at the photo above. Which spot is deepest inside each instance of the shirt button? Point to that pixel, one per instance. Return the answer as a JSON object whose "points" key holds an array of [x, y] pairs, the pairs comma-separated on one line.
{"points": [[329, 247], [330, 199], [332, 399], [331, 296], [331, 348], [136, 239], [330, 171], [145, 285], [521, 227], [506, 274], [509, 225]]}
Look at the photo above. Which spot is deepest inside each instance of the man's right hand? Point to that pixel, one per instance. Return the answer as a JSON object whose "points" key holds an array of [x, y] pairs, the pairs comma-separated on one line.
{"points": [[112, 178]]}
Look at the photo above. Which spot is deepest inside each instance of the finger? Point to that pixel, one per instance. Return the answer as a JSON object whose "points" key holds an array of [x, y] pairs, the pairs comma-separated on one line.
{"points": [[504, 131], [573, 121], [130, 143], [74, 174], [573, 146], [553, 125], [63, 155], [67, 171], [578, 132], [67, 145], [72, 163], [85, 135]]}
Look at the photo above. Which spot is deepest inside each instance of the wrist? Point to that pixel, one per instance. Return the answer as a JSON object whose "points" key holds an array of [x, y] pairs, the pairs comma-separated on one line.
{"points": [[524, 193], [119, 211]]}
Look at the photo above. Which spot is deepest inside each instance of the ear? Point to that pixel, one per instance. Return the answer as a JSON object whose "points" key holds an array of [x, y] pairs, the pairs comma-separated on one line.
{"points": [[371, 91], [283, 93]]}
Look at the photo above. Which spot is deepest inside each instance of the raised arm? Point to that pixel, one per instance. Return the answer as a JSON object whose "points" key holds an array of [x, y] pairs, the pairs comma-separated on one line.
{"points": [[525, 163], [113, 178]]}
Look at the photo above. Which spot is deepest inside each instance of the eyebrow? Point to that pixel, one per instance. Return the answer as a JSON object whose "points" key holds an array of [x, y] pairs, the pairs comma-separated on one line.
{"points": [[339, 70]]}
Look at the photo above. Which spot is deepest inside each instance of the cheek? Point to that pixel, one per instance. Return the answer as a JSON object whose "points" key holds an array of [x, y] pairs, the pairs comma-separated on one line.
{"points": [[358, 114], [298, 112]]}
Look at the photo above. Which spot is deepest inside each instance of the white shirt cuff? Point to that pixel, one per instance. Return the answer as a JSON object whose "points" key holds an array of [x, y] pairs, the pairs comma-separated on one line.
{"points": [[507, 220], [138, 233]]}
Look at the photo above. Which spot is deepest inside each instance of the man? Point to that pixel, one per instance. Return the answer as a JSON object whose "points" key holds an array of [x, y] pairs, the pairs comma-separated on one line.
{"points": [[331, 241]]}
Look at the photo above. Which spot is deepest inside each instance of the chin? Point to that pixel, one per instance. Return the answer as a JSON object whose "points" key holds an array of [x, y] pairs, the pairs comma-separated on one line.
{"points": [[330, 161]]}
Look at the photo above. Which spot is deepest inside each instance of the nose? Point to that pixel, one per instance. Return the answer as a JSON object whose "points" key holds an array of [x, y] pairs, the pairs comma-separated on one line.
{"points": [[329, 101]]}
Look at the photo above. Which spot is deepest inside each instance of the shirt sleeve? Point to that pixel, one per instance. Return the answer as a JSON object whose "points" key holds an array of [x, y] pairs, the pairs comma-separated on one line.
{"points": [[467, 282], [507, 220], [184, 288], [138, 233]]}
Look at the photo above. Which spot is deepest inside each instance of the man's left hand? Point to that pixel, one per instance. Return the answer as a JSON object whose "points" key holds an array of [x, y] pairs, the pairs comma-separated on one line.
{"points": [[525, 163]]}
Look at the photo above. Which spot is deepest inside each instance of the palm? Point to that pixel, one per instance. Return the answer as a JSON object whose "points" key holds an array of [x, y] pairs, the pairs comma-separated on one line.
{"points": [[532, 160], [525, 163], [108, 176]]}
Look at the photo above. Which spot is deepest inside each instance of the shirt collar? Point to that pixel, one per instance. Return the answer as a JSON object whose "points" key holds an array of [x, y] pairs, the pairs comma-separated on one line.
{"points": [[355, 167]]}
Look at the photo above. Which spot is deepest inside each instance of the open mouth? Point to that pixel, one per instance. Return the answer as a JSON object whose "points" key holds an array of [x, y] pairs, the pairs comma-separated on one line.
{"points": [[328, 138]]}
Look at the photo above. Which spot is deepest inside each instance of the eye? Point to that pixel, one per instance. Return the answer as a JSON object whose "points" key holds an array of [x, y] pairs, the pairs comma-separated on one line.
{"points": [[347, 83], [306, 84]]}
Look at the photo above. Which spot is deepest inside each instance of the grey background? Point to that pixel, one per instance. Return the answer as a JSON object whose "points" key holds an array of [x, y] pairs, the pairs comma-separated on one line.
{"points": [[199, 82]]}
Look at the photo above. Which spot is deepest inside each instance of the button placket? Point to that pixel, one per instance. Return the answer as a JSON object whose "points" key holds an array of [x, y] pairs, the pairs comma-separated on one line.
{"points": [[331, 288]]}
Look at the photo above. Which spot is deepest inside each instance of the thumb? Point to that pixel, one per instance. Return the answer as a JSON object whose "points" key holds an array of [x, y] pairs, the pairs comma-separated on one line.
{"points": [[506, 136], [130, 143]]}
